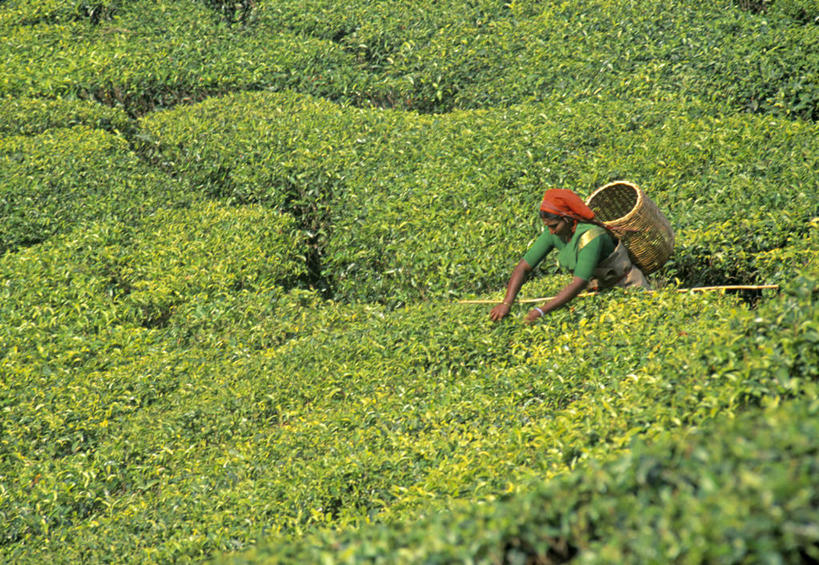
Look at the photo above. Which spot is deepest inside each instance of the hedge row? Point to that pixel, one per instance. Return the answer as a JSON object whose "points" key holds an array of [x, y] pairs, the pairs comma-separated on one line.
{"points": [[802, 11], [724, 490], [160, 54], [30, 116], [107, 274], [377, 32], [175, 383], [402, 206], [54, 181], [430, 57], [80, 341], [32, 12], [256, 411], [735, 491], [600, 48]]}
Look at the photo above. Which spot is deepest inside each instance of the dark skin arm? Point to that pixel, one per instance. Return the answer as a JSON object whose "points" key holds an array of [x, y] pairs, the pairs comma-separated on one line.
{"points": [[519, 276], [561, 299], [563, 228]]}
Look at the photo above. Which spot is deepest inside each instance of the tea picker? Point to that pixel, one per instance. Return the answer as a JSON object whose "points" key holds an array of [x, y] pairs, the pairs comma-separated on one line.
{"points": [[613, 240]]}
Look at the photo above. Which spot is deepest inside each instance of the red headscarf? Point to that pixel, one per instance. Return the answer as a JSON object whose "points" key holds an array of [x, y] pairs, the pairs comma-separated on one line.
{"points": [[563, 202]]}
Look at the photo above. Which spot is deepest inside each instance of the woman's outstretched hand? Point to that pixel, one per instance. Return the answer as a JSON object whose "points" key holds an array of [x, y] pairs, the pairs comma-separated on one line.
{"points": [[532, 316], [519, 275], [499, 312]]}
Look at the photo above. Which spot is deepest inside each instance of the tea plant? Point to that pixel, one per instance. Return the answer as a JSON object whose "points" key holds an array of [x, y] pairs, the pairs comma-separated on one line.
{"points": [[232, 240], [368, 185], [392, 414], [29, 12], [58, 179], [429, 56], [28, 116], [630, 510]]}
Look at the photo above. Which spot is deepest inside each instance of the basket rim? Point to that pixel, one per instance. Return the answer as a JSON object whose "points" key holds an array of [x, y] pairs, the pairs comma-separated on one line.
{"points": [[634, 210]]}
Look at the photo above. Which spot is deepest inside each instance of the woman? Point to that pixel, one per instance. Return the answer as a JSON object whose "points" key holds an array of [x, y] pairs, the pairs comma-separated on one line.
{"points": [[584, 246]]}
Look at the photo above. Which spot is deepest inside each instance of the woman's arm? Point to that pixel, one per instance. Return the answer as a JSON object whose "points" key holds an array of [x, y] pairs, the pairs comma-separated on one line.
{"points": [[516, 281], [563, 297]]}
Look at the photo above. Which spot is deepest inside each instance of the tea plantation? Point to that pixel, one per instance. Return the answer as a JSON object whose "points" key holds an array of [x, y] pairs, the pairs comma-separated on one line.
{"points": [[234, 237]]}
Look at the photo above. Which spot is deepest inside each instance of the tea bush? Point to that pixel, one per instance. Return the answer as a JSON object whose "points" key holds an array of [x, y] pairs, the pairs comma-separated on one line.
{"points": [[683, 497], [210, 251], [435, 58], [159, 54], [803, 11], [233, 323], [28, 116], [376, 32], [53, 181], [232, 12], [28, 12], [403, 207], [79, 317], [109, 273], [196, 438], [430, 57]]}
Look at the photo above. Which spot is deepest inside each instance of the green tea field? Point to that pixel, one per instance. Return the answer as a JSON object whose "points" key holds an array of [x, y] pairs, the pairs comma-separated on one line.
{"points": [[235, 242]]}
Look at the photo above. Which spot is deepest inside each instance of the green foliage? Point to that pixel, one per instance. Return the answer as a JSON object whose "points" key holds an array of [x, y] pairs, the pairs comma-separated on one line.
{"points": [[28, 116], [160, 54], [737, 490], [403, 207], [376, 32], [189, 254], [780, 83], [392, 416], [232, 323], [109, 273], [805, 11], [27, 12], [79, 318], [435, 58], [430, 57], [53, 181], [755, 6], [233, 11], [734, 491]]}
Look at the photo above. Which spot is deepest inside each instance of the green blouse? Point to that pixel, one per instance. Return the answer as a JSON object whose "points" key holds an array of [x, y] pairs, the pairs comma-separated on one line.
{"points": [[589, 245]]}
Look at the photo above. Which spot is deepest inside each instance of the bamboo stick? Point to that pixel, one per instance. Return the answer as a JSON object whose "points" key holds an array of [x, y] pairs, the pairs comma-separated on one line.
{"points": [[693, 289], [729, 287]]}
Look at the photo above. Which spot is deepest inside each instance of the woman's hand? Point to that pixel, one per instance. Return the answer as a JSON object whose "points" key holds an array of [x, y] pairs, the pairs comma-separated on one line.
{"points": [[563, 297], [532, 316], [519, 275], [499, 312]]}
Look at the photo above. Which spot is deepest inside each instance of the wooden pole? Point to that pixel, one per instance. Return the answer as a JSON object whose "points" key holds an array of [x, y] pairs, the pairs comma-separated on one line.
{"points": [[693, 289]]}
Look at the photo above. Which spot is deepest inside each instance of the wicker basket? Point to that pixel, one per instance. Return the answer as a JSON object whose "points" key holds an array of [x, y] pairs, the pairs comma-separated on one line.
{"points": [[636, 220]]}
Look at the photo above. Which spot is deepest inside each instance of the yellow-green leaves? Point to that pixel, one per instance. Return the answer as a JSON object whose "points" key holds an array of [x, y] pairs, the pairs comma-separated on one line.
{"points": [[233, 234]]}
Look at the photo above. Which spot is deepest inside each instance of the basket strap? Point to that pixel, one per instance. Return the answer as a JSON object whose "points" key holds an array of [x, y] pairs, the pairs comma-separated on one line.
{"points": [[589, 236]]}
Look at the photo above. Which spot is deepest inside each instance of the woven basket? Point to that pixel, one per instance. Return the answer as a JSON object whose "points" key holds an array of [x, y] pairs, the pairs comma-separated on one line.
{"points": [[637, 221]]}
